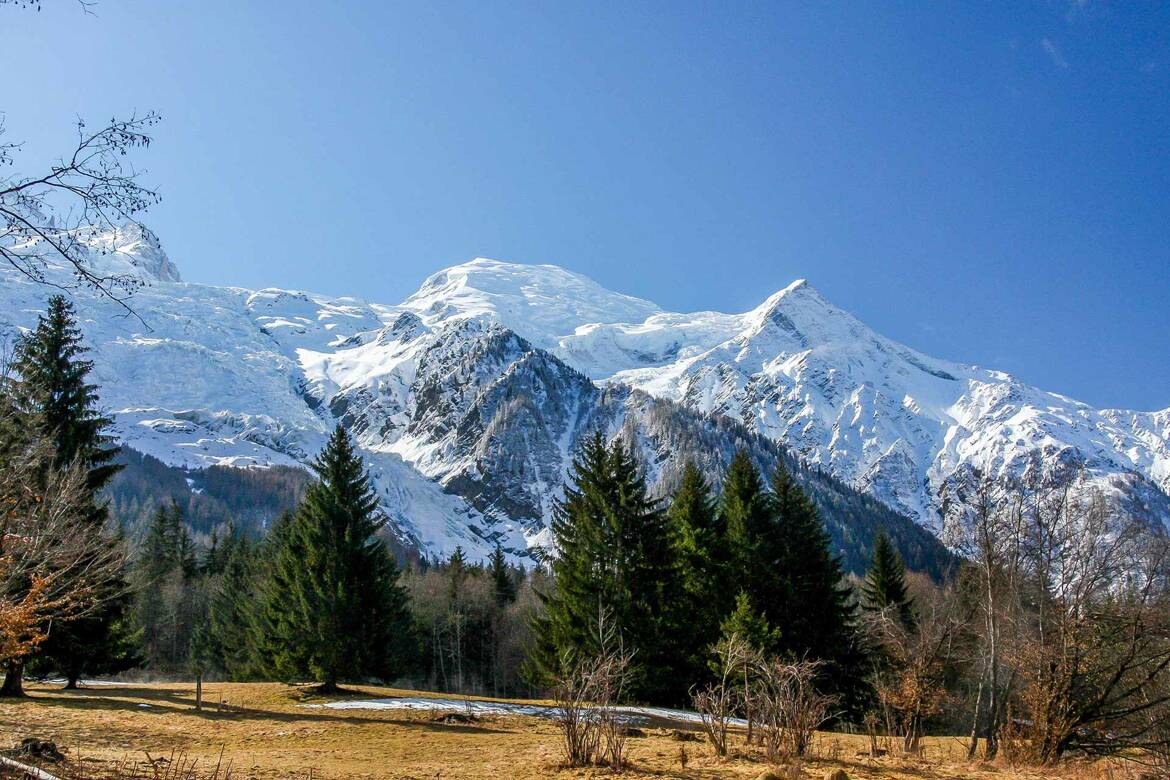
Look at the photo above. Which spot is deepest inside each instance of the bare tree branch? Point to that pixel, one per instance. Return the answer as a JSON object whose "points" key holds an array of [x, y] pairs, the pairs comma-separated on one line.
{"points": [[58, 216]]}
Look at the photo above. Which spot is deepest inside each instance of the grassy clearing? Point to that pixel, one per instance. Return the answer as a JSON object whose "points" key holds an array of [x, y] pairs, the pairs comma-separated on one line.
{"points": [[264, 731]]}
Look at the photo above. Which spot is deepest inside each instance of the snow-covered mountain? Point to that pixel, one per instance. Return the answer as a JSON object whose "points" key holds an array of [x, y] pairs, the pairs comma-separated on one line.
{"points": [[469, 397]]}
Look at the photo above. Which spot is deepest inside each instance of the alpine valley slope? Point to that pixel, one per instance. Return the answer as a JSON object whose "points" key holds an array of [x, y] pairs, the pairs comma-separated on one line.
{"points": [[469, 398]]}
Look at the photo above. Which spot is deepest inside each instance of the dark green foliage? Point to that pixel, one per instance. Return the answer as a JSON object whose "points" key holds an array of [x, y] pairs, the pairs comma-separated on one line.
{"points": [[503, 585], [172, 592], [333, 605], [749, 623], [884, 586], [97, 646], [231, 631], [703, 559], [812, 607], [53, 386], [615, 553], [746, 521], [53, 377], [456, 572], [852, 518]]}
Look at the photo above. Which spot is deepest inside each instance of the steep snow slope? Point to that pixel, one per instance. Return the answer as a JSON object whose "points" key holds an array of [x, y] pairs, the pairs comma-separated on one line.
{"points": [[470, 396]]}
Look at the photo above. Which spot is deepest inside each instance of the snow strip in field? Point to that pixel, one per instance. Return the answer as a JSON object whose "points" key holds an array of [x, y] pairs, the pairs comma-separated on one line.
{"points": [[84, 683], [472, 706]]}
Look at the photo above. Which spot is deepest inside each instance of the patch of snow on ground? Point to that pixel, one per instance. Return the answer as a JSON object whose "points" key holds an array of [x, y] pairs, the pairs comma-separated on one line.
{"points": [[476, 707]]}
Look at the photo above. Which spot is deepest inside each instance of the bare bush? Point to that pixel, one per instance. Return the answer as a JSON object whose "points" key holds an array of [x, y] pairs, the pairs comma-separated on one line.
{"points": [[913, 660], [790, 707], [586, 693], [717, 702]]}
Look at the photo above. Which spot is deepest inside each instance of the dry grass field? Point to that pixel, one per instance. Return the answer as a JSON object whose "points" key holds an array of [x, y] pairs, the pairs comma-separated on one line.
{"points": [[265, 730]]}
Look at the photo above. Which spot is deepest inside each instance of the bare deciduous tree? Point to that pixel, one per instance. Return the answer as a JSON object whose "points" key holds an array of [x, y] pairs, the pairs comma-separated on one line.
{"points": [[1074, 618], [913, 659], [53, 568], [1095, 660], [52, 216], [987, 529]]}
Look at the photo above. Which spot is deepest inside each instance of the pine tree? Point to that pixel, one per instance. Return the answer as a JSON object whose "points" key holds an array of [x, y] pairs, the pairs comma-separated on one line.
{"points": [[334, 606], [53, 377], [745, 522], [269, 655], [884, 586], [53, 383], [813, 610], [503, 586], [230, 624], [749, 624], [702, 554], [456, 573], [615, 553]]}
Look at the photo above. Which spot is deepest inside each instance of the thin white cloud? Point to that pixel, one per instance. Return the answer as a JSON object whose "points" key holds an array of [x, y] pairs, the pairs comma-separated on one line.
{"points": [[1054, 54]]}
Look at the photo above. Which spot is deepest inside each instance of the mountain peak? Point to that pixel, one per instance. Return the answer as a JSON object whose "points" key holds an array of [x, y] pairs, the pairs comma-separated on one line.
{"points": [[800, 308], [129, 249], [544, 300]]}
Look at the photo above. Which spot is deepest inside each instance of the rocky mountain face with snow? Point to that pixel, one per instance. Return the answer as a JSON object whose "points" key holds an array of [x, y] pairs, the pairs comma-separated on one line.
{"points": [[469, 397]]}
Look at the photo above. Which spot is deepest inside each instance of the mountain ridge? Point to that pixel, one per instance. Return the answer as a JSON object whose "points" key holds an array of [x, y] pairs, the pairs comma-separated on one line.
{"points": [[468, 397]]}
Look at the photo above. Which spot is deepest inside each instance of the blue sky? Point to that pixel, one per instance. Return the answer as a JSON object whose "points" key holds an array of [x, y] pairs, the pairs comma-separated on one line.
{"points": [[985, 181]]}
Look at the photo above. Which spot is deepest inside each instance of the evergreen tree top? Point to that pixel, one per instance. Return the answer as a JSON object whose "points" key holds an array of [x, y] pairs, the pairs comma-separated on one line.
{"points": [[884, 586], [52, 385]]}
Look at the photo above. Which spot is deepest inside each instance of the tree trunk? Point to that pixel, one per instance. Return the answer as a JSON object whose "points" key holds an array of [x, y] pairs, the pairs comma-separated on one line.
{"points": [[13, 680], [993, 699], [199, 692], [747, 703], [973, 745]]}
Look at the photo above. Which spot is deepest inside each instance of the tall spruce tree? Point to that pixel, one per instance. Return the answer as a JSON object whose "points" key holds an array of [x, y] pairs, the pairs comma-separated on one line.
{"points": [[813, 609], [337, 611], [268, 651], [53, 384], [615, 554], [884, 586], [745, 522], [503, 585], [702, 553], [231, 645]]}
